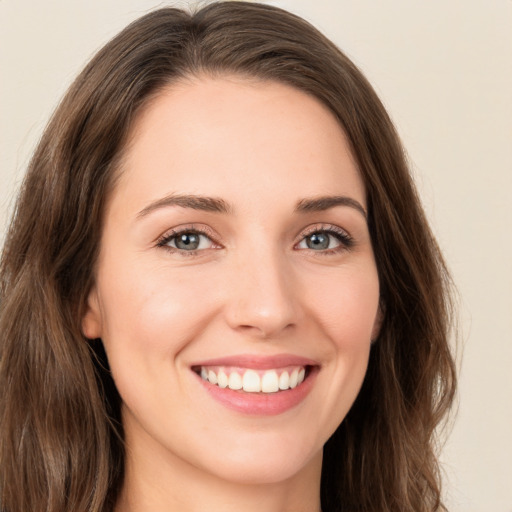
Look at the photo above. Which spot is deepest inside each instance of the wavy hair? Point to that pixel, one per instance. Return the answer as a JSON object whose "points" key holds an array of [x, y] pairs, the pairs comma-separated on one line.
{"points": [[61, 438]]}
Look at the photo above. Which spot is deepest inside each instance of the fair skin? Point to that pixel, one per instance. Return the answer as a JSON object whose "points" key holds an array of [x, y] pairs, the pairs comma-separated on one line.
{"points": [[262, 277]]}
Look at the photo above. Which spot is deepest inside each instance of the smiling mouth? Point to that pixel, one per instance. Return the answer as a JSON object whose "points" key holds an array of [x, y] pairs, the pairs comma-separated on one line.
{"points": [[248, 380]]}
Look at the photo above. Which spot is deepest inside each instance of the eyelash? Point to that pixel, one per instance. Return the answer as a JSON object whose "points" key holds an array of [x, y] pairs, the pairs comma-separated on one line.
{"points": [[345, 240]]}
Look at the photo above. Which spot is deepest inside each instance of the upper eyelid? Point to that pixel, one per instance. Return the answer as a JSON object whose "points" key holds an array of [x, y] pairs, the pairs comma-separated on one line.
{"points": [[321, 227], [190, 228]]}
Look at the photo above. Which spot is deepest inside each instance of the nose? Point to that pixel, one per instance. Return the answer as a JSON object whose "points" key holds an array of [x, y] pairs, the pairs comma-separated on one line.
{"points": [[263, 300]]}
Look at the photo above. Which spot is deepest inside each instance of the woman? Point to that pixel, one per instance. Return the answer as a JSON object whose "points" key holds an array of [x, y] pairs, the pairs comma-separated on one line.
{"points": [[219, 288]]}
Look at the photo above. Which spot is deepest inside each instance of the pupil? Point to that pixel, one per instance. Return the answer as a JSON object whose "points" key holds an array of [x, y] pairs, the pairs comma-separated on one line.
{"points": [[188, 241], [318, 241]]}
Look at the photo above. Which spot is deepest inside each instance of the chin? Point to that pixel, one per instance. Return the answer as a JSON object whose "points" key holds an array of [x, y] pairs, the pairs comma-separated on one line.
{"points": [[263, 472], [264, 461]]}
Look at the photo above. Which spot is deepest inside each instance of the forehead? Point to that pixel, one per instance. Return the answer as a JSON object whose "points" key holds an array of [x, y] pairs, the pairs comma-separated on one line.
{"points": [[237, 136]]}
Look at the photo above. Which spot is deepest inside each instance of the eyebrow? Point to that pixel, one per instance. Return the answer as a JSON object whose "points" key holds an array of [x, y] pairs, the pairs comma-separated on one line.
{"points": [[217, 205], [206, 204], [320, 204]]}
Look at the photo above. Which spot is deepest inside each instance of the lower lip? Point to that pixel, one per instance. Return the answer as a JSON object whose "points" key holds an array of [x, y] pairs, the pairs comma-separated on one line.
{"points": [[262, 404]]}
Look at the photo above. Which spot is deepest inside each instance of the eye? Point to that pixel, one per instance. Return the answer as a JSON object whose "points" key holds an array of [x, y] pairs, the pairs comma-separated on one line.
{"points": [[189, 240], [326, 240]]}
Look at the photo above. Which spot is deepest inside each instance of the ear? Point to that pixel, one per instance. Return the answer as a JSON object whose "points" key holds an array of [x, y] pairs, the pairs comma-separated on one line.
{"points": [[379, 320], [92, 324]]}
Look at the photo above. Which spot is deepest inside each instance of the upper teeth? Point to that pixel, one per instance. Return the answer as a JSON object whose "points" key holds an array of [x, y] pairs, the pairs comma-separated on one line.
{"points": [[252, 381]]}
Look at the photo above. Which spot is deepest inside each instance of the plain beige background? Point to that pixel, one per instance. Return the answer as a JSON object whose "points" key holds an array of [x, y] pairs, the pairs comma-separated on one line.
{"points": [[443, 68]]}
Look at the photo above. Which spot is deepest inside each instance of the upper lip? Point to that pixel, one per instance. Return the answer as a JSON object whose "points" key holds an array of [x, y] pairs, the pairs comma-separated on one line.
{"points": [[259, 362]]}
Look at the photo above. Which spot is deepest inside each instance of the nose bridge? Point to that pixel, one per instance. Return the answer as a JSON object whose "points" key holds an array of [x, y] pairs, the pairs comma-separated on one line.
{"points": [[263, 299]]}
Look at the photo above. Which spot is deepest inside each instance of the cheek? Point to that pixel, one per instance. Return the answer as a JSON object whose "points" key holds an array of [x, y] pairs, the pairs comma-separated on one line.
{"points": [[347, 307], [152, 310], [150, 317], [347, 312]]}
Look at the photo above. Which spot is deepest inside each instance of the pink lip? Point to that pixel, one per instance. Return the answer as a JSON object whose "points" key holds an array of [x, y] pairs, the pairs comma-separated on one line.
{"points": [[263, 404], [258, 362]]}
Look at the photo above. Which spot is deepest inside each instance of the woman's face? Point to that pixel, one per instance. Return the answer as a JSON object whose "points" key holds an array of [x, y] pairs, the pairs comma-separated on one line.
{"points": [[235, 253]]}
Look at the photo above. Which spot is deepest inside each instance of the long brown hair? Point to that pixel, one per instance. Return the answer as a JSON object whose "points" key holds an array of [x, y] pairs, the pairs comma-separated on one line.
{"points": [[61, 440]]}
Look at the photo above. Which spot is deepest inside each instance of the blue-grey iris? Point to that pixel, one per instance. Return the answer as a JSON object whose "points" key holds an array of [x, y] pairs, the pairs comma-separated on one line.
{"points": [[318, 241], [187, 241]]}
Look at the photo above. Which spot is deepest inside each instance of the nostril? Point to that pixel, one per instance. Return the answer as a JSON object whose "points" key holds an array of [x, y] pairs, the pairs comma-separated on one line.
{"points": [[264, 330]]}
